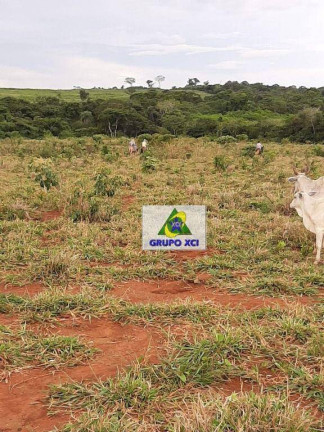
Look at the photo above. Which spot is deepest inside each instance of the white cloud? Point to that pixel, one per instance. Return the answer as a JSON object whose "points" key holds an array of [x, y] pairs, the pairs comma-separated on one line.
{"points": [[263, 52], [226, 65], [159, 49], [215, 35], [187, 49], [98, 43], [88, 72], [23, 78]]}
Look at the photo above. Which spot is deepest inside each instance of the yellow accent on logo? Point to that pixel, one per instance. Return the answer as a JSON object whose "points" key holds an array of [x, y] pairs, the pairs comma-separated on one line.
{"points": [[182, 216]]}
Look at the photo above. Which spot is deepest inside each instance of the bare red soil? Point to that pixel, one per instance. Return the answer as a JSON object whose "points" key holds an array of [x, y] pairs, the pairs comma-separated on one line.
{"points": [[50, 215], [23, 398], [190, 255], [8, 320], [166, 291], [25, 290], [127, 202], [236, 385]]}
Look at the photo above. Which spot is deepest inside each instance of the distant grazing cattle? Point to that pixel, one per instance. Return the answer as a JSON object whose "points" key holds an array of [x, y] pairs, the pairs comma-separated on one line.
{"points": [[312, 212], [306, 184]]}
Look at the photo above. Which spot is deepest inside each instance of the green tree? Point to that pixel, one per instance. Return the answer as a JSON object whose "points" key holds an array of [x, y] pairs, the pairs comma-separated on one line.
{"points": [[130, 81], [159, 79], [86, 117], [193, 82], [83, 95]]}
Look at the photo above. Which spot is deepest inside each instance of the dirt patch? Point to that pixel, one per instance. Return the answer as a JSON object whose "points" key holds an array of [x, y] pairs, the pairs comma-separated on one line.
{"points": [[191, 255], [23, 398], [127, 202], [236, 385], [51, 215], [8, 320], [31, 289], [166, 291]]}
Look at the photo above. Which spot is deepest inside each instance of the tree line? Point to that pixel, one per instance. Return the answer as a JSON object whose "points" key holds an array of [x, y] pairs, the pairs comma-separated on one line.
{"points": [[254, 111]]}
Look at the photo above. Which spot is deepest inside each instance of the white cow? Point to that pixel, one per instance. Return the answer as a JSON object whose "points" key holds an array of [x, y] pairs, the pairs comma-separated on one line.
{"points": [[312, 212], [306, 184]]}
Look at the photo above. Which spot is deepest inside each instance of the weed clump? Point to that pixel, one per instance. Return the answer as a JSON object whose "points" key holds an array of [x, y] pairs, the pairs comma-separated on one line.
{"points": [[221, 163]]}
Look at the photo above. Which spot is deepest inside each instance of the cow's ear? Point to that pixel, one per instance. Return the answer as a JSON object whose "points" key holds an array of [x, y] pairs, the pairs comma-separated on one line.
{"points": [[312, 193], [292, 179]]}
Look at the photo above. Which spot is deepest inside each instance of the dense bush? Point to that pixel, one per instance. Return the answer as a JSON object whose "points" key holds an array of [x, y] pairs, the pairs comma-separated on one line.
{"points": [[226, 139], [242, 137]]}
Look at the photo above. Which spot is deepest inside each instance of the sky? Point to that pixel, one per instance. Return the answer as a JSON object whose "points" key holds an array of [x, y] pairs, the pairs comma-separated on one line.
{"points": [[88, 43]]}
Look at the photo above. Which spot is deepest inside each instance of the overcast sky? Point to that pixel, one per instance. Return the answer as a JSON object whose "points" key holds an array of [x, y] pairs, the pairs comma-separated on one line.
{"points": [[66, 43]]}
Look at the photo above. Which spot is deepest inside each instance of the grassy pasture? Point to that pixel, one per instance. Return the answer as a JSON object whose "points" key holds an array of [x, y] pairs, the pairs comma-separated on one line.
{"points": [[65, 95], [74, 96], [241, 326]]}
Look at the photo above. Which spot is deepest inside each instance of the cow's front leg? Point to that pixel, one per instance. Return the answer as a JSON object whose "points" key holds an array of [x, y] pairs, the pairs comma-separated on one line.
{"points": [[319, 242]]}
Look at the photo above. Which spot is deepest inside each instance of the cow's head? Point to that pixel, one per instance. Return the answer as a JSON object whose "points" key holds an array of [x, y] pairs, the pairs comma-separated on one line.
{"points": [[296, 202], [299, 174]]}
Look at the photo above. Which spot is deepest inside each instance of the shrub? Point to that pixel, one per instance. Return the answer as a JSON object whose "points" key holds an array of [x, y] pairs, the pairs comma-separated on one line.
{"points": [[149, 163], [43, 173], [163, 138], [141, 137], [101, 186], [220, 163], [48, 150], [87, 207], [98, 138], [248, 151], [285, 141], [226, 139], [242, 137]]}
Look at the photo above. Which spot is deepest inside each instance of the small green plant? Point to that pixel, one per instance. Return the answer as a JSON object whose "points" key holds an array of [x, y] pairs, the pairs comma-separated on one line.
{"points": [[248, 151], [263, 206], [42, 173], [221, 163], [149, 163], [101, 186], [318, 150], [105, 185]]}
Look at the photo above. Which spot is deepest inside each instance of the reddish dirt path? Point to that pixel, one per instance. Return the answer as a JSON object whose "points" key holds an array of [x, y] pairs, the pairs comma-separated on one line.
{"points": [[166, 291], [23, 398]]}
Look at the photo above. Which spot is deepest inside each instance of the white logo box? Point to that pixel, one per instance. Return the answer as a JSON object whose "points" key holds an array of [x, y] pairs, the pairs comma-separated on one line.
{"points": [[155, 217]]}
